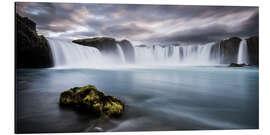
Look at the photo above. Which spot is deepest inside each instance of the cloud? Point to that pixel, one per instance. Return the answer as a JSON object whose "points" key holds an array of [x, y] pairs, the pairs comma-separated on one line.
{"points": [[128, 31], [250, 26], [203, 33], [143, 23]]}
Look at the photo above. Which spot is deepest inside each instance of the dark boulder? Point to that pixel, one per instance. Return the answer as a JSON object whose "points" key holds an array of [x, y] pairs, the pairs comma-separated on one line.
{"points": [[128, 50], [32, 50], [229, 50], [253, 50], [237, 65], [91, 99]]}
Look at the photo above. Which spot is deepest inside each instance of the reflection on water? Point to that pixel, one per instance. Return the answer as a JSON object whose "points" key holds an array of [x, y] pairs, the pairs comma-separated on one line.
{"points": [[173, 98]]}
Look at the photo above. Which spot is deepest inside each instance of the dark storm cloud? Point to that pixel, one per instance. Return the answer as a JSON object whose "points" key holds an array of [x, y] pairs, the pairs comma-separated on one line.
{"points": [[80, 34], [207, 34], [216, 32], [250, 27], [44, 14], [125, 30], [41, 13], [145, 23]]}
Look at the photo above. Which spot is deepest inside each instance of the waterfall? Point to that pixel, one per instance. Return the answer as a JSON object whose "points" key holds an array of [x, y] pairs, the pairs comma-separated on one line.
{"points": [[186, 54], [71, 55], [198, 54], [175, 53], [68, 54], [242, 52], [121, 53], [156, 54]]}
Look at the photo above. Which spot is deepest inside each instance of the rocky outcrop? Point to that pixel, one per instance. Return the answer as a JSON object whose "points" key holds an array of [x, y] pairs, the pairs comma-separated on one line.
{"points": [[32, 50], [229, 50], [128, 50], [103, 44], [109, 46], [237, 65], [91, 99], [142, 45], [253, 50]]}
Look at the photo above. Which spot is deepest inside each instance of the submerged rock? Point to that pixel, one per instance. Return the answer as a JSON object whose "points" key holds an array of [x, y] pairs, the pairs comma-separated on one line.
{"points": [[237, 65], [92, 100]]}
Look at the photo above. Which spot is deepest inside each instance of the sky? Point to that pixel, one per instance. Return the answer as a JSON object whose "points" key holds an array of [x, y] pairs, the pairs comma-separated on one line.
{"points": [[142, 24]]}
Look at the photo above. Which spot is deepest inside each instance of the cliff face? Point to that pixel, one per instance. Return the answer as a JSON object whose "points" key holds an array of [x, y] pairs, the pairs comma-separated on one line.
{"points": [[109, 46], [229, 50], [253, 50], [32, 50], [128, 50]]}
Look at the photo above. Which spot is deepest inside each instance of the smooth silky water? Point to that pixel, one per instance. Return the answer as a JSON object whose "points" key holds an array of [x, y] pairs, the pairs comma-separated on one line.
{"points": [[160, 98], [164, 89]]}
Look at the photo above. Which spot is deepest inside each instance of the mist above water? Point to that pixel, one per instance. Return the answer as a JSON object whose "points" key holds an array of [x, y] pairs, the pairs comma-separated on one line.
{"points": [[69, 55], [187, 55]]}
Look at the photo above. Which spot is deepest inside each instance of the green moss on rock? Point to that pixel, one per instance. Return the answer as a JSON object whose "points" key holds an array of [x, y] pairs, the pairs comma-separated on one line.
{"points": [[90, 98]]}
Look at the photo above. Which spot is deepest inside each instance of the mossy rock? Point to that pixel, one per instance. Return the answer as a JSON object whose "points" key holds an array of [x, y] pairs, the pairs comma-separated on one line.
{"points": [[92, 100]]}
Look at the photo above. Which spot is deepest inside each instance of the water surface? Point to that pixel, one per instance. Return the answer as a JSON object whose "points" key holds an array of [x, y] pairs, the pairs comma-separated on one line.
{"points": [[165, 98]]}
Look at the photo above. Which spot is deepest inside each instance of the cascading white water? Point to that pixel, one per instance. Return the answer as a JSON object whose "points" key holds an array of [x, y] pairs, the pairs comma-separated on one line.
{"points": [[176, 53], [121, 53], [242, 52], [188, 54], [198, 54], [156, 55], [68, 54]]}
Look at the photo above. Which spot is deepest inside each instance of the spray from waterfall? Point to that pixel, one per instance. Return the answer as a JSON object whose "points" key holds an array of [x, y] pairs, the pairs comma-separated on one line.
{"points": [[186, 54], [198, 54], [121, 53], [242, 52], [70, 55]]}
